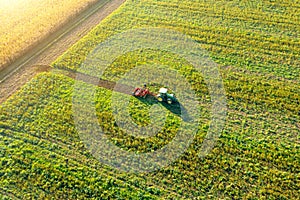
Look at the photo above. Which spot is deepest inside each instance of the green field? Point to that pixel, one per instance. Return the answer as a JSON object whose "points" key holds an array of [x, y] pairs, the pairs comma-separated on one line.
{"points": [[256, 47]]}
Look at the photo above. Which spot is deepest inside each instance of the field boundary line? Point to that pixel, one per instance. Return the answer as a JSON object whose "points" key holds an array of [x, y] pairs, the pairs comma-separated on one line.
{"points": [[56, 36], [21, 70]]}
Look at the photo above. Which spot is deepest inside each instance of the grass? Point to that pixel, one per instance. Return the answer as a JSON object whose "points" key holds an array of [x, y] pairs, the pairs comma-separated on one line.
{"points": [[25, 22], [257, 154]]}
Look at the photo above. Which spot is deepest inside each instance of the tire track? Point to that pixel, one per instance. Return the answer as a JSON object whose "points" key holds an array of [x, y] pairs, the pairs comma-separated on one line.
{"points": [[110, 85]]}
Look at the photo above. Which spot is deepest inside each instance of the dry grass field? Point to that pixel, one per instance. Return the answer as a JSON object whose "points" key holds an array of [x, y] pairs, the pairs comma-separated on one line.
{"points": [[25, 22]]}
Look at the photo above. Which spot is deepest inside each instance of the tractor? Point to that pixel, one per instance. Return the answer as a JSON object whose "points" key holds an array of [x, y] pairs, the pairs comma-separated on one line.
{"points": [[164, 96]]}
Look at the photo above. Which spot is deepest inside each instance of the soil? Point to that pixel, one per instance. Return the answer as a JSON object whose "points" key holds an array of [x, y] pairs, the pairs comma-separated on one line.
{"points": [[111, 85]]}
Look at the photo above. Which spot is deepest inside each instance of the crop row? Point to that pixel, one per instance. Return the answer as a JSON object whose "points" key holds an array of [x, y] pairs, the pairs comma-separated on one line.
{"points": [[254, 45], [257, 153], [54, 162], [241, 164]]}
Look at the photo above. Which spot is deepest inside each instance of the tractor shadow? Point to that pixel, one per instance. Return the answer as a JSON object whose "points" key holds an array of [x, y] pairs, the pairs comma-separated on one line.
{"points": [[176, 108]]}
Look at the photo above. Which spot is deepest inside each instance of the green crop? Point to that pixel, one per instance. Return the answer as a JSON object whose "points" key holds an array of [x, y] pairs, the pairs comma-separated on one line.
{"points": [[256, 36], [257, 154], [42, 151]]}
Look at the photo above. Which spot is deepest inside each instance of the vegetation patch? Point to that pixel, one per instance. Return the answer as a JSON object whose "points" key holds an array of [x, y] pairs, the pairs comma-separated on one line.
{"points": [[257, 154]]}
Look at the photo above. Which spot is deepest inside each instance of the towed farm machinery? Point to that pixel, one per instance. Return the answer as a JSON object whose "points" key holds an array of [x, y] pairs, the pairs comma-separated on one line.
{"points": [[162, 96]]}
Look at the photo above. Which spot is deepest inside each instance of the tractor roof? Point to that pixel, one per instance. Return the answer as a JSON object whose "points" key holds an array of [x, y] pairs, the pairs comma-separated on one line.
{"points": [[163, 90]]}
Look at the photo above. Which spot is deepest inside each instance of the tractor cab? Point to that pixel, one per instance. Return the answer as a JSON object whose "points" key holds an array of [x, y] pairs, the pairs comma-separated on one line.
{"points": [[165, 96], [163, 91]]}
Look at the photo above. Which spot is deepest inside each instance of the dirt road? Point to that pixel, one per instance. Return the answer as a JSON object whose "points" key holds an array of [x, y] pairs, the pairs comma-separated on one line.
{"points": [[39, 59]]}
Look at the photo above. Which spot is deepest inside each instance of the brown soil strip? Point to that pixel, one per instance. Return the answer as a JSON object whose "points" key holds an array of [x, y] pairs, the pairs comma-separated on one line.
{"points": [[125, 89], [39, 61]]}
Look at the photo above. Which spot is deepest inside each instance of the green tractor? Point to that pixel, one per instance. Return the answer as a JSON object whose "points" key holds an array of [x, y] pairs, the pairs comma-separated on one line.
{"points": [[164, 96]]}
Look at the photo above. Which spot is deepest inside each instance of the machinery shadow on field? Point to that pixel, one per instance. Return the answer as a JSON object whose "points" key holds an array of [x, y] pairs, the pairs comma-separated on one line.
{"points": [[176, 108]]}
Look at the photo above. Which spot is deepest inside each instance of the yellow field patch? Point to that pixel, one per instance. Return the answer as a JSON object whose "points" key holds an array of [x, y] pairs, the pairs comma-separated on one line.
{"points": [[24, 22]]}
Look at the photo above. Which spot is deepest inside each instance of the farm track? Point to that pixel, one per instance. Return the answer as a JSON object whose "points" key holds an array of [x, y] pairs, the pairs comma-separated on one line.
{"points": [[110, 85], [38, 59]]}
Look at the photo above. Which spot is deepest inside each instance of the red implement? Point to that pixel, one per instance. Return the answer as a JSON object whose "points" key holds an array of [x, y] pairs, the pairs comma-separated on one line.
{"points": [[140, 92]]}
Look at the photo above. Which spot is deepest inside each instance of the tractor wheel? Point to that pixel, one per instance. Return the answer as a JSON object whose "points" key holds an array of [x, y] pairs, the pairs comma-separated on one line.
{"points": [[160, 99]]}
